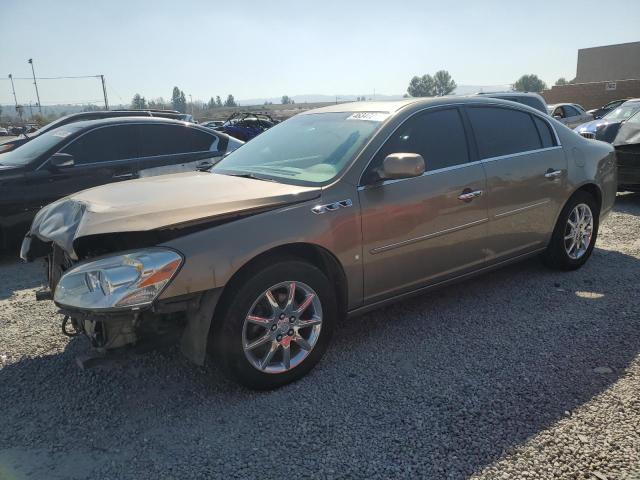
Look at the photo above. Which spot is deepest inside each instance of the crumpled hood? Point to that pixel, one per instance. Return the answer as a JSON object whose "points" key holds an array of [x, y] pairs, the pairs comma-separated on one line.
{"points": [[160, 202]]}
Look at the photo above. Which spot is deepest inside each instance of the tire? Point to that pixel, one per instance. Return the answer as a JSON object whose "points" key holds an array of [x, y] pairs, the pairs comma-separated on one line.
{"points": [[234, 334], [557, 254]]}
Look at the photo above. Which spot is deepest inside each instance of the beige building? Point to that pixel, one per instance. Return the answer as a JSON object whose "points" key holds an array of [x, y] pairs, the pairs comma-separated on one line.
{"points": [[609, 63], [603, 74]]}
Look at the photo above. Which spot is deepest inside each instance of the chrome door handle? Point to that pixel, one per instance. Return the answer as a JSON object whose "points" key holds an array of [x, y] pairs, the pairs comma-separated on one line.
{"points": [[553, 173], [467, 195], [124, 175]]}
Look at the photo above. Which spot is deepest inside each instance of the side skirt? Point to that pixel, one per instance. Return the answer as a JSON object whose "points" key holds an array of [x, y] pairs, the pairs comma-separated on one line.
{"points": [[413, 293]]}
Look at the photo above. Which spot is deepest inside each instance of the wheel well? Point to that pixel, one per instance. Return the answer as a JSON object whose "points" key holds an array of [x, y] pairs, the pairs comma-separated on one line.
{"points": [[314, 254], [594, 191]]}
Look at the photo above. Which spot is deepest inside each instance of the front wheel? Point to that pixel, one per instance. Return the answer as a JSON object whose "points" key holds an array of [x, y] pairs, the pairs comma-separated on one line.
{"points": [[575, 233], [277, 325]]}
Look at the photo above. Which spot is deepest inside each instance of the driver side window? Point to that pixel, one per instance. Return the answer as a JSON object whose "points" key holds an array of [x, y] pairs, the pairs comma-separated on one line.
{"points": [[438, 136]]}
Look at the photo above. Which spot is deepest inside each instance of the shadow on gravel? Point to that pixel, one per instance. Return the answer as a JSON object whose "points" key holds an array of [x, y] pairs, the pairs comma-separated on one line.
{"points": [[435, 387], [628, 203], [16, 275]]}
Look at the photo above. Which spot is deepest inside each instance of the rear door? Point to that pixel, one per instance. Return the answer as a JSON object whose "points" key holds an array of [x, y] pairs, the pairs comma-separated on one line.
{"points": [[526, 177], [102, 155], [172, 148], [420, 230]]}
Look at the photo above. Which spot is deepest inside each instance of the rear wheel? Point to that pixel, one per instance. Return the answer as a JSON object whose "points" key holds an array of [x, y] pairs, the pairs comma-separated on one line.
{"points": [[575, 233], [277, 325]]}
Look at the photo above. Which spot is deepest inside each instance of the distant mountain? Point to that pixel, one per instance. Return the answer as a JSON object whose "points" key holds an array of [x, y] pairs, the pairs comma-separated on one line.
{"points": [[319, 98]]}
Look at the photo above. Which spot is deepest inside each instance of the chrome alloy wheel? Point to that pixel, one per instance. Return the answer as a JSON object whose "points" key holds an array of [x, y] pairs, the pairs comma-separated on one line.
{"points": [[578, 231], [282, 327]]}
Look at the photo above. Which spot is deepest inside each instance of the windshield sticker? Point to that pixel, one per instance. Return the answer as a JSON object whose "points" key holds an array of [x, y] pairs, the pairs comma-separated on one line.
{"points": [[61, 134], [371, 116]]}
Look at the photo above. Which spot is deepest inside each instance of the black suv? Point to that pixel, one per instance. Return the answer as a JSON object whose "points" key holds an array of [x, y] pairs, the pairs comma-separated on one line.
{"points": [[9, 145], [85, 154]]}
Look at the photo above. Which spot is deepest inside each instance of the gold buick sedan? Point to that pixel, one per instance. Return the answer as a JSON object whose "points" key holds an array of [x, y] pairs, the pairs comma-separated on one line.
{"points": [[329, 214]]}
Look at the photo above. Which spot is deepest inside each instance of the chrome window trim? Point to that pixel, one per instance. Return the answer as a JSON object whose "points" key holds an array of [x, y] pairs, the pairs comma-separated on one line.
{"points": [[132, 158], [456, 167], [425, 174], [457, 105], [519, 154]]}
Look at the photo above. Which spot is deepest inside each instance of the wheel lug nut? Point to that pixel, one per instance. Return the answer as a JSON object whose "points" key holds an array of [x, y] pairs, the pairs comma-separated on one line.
{"points": [[273, 327], [292, 319], [281, 316], [290, 332], [279, 337]]}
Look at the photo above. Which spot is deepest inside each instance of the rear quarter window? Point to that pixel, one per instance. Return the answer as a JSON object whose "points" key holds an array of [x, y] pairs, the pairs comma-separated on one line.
{"points": [[546, 135]]}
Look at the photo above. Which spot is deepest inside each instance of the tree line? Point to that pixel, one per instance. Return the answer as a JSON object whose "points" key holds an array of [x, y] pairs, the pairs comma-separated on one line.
{"points": [[441, 84], [179, 102], [532, 83]]}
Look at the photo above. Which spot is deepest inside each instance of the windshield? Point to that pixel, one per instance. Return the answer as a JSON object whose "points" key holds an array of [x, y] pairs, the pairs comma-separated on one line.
{"points": [[31, 150], [304, 150], [623, 112]]}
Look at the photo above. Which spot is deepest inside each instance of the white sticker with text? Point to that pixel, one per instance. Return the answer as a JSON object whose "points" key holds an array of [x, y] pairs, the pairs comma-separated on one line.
{"points": [[61, 134], [370, 116]]}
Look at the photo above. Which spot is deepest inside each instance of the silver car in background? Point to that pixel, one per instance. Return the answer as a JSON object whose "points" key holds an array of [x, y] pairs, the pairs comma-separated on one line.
{"points": [[571, 114]]}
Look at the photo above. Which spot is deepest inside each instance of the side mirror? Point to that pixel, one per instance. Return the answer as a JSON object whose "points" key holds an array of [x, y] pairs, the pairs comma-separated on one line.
{"points": [[61, 160], [401, 165]]}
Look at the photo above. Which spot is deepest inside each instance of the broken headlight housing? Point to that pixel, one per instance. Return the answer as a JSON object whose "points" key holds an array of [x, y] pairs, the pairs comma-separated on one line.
{"points": [[130, 280]]}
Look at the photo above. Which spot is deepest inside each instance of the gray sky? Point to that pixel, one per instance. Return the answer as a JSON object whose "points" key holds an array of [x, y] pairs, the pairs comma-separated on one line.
{"points": [[256, 49]]}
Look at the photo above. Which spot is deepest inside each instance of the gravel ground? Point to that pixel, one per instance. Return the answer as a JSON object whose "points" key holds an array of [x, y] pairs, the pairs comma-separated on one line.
{"points": [[521, 373]]}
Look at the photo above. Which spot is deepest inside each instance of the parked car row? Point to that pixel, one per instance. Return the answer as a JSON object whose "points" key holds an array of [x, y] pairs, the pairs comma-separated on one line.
{"points": [[77, 117], [621, 128], [329, 214]]}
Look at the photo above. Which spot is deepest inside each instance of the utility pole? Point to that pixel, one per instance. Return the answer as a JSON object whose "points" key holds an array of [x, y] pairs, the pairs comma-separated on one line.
{"points": [[13, 89], [18, 107], [30, 110], [36, 85], [104, 92], [191, 100]]}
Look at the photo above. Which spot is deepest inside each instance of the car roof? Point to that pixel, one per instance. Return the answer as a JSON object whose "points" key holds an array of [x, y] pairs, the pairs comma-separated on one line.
{"points": [[392, 106], [126, 120], [633, 100], [510, 94]]}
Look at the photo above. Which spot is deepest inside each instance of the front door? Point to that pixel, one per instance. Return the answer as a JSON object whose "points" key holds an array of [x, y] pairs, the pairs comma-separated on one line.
{"points": [[526, 178], [102, 155], [421, 230]]}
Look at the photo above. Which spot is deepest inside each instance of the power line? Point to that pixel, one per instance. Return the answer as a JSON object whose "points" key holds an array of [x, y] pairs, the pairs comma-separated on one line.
{"points": [[53, 78]]}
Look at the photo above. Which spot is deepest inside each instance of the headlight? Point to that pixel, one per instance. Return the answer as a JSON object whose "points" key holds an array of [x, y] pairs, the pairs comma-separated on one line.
{"points": [[130, 280]]}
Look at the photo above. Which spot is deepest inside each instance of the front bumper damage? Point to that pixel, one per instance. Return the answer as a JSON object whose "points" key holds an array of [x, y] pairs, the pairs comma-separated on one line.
{"points": [[186, 321]]}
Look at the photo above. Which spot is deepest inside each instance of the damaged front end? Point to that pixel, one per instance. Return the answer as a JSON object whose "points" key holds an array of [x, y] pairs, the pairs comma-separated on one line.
{"points": [[107, 286], [108, 264]]}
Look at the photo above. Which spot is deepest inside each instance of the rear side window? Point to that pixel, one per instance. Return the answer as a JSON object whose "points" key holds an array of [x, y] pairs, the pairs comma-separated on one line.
{"points": [[438, 136], [570, 111], [502, 131], [545, 132], [104, 144], [202, 141], [164, 140]]}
